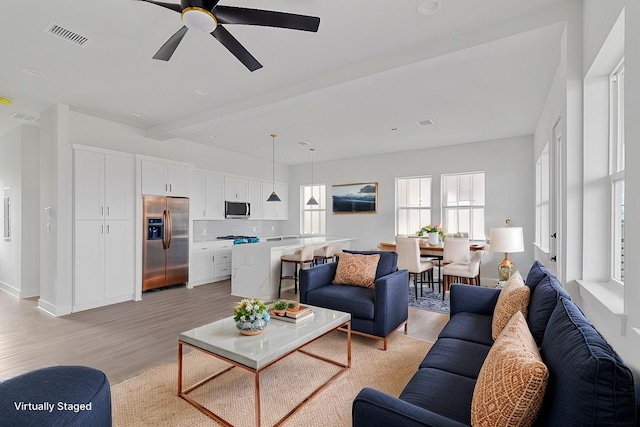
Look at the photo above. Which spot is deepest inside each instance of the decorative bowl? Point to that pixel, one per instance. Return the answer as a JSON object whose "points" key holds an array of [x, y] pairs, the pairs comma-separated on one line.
{"points": [[253, 328]]}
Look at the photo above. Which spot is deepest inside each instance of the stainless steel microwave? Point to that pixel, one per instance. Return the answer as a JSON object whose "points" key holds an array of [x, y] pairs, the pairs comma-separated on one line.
{"points": [[237, 209]]}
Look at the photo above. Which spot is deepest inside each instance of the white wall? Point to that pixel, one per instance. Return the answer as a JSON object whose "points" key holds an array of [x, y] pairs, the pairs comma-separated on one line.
{"points": [[19, 256], [621, 330], [56, 226], [509, 190]]}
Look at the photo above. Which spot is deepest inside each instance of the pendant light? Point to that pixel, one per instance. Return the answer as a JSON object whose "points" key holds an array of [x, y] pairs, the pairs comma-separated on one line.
{"points": [[274, 197], [312, 200]]}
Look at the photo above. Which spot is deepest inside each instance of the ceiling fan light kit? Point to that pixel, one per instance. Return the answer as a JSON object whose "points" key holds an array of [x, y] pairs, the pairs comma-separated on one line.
{"points": [[199, 19], [207, 16]]}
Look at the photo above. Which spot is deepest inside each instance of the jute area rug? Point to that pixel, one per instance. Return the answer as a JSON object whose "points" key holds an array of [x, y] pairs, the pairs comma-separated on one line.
{"points": [[150, 399]]}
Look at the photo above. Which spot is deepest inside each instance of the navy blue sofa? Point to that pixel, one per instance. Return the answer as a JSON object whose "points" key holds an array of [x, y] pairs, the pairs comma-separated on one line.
{"points": [[70, 396], [376, 312], [589, 385]]}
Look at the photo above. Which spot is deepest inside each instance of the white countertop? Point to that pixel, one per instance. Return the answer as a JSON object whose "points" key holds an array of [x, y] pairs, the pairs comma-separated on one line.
{"points": [[297, 242]]}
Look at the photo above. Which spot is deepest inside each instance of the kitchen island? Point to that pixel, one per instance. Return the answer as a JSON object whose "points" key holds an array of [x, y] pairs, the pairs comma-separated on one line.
{"points": [[255, 267]]}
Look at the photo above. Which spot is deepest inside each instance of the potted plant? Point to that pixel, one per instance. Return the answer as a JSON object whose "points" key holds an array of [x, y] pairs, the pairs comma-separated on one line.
{"points": [[433, 232], [251, 316], [293, 306], [279, 308]]}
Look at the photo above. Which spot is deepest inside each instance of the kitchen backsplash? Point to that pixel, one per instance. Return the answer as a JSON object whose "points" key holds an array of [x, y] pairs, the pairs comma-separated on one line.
{"points": [[204, 231]]}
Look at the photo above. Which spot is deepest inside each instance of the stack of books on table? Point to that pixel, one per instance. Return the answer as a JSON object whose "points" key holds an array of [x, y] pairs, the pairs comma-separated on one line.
{"points": [[296, 316]]}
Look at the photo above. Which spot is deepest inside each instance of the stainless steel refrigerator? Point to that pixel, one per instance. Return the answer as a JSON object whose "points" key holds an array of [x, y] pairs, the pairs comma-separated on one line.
{"points": [[165, 250]]}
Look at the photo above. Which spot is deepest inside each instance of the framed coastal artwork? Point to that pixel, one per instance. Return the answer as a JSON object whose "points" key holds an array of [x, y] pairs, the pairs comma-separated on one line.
{"points": [[355, 198]]}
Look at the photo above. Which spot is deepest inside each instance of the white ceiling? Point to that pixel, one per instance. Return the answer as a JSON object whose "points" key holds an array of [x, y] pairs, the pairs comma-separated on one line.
{"points": [[479, 69]]}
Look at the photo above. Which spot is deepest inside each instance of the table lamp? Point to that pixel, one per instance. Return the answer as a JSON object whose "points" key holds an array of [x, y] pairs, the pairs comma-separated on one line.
{"points": [[506, 239]]}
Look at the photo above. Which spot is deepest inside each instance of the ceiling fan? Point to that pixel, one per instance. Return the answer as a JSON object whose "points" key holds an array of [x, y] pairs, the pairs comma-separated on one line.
{"points": [[207, 15]]}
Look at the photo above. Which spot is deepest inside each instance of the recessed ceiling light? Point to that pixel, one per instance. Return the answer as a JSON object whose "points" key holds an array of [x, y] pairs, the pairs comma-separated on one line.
{"points": [[200, 91], [304, 143], [425, 122], [394, 129], [136, 115], [5, 100], [32, 72], [429, 7]]}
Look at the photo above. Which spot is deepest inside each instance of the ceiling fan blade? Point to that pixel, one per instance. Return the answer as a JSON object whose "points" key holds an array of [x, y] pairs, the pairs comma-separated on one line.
{"points": [[233, 45], [171, 6], [167, 49], [267, 18]]}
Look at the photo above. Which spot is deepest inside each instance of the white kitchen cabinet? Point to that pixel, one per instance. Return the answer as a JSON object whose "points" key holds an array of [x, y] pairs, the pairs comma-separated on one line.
{"points": [[223, 259], [206, 196], [214, 204], [197, 196], [210, 262], [103, 249], [164, 179], [236, 189], [276, 210], [103, 186], [202, 264], [103, 263], [255, 198]]}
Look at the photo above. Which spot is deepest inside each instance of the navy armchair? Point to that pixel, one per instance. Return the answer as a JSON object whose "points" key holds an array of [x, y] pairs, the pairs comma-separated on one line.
{"points": [[375, 312]]}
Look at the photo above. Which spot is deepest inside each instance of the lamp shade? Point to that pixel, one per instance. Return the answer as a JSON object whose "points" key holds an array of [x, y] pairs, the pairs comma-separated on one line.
{"points": [[506, 239]]}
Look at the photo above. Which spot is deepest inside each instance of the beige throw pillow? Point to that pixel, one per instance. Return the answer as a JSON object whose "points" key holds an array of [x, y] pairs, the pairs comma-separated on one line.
{"points": [[512, 381], [513, 297], [356, 269]]}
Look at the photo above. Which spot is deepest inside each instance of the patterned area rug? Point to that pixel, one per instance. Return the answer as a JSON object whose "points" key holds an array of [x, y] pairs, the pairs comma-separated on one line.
{"points": [[430, 300]]}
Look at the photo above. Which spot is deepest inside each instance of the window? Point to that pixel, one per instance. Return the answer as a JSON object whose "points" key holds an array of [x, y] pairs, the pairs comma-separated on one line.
{"points": [[314, 217], [616, 170], [463, 204], [542, 200], [413, 204]]}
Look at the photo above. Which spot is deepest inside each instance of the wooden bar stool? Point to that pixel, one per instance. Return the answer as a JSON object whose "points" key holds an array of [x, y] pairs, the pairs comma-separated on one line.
{"points": [[300, 259]]}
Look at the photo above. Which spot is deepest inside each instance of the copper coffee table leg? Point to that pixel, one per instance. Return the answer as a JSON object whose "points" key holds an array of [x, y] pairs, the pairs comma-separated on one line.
{"points": [[257, 387]]}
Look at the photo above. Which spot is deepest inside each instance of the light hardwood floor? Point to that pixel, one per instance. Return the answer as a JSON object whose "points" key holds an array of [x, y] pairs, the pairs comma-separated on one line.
{"points": [[126, 339]]}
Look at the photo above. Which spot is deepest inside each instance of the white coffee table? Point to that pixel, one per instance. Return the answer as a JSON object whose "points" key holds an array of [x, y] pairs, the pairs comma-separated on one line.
{"points": [[221, 339]]}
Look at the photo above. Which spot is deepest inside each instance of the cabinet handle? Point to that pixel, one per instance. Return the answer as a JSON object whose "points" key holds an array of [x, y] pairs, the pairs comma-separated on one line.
{"points": [[166, 187], [101, 210], [108, 230], [213, 258], [108, 211], [170, 188], [102, 229], [203, 213]]}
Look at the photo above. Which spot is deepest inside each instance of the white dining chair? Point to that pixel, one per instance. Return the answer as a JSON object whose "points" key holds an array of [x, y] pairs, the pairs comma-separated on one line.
{"points": [[408, 250], [459, 272]]}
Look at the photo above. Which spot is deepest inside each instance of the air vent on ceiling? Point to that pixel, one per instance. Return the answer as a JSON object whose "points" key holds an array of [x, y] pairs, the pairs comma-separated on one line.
{"points": [[425, 122], [67, 35], [25, 117]]}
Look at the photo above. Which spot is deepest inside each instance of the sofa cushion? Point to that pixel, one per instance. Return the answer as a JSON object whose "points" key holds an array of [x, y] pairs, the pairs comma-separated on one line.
{"points": [[441, 392], [511, 384], [387, 264], [513, 297], [536, 274], [351, 299], [456, 356], [541, 304], [469, 327], [357, 270], [589, 385]]}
